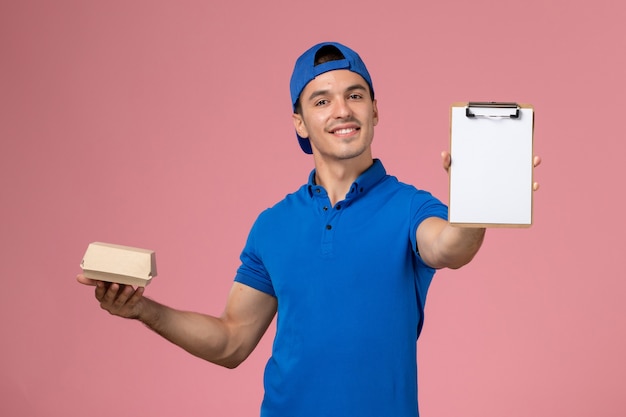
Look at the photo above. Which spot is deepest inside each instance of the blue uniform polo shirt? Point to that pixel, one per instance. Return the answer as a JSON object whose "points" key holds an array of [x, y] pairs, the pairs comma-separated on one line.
{"points": [[351, 289]]}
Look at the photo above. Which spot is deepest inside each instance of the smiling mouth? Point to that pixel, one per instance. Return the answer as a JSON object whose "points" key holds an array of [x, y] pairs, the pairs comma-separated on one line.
{"points": [[345, 131]]}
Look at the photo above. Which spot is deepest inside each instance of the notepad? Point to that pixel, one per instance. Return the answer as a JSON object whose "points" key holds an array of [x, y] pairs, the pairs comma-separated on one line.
{"points": [[491, 174]]}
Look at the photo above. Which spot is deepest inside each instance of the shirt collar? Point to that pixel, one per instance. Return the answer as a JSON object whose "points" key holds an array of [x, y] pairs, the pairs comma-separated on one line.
{"points": [[366, 181]]}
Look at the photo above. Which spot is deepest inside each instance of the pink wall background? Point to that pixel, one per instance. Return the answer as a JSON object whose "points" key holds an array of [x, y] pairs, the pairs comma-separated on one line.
{"points": [[167, 125]]}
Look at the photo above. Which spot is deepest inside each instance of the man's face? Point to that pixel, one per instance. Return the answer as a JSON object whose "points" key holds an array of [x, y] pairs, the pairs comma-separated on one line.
{"points": [[338, 116]]}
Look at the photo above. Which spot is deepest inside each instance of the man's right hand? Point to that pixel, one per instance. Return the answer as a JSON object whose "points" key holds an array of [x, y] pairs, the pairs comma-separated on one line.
{"points": [[118, 299]]}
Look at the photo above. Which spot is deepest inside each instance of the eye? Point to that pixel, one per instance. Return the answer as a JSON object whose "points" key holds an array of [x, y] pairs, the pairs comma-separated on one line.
{"points": [[355, 96], [321, 102]]}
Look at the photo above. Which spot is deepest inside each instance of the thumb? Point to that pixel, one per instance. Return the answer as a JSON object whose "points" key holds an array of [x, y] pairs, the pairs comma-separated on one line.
{"points": [[86, 281]]}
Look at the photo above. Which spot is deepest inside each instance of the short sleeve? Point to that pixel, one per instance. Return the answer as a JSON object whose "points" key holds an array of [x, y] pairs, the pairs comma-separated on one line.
{"points": [[252, 272], [423, 206]]}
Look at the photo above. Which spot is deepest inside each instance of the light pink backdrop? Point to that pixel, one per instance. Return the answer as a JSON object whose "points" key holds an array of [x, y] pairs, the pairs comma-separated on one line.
{"points": [[167, 125]]}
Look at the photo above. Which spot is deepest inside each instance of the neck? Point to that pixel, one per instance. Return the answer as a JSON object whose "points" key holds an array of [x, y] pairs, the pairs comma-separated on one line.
{"points": [[337, 177]]}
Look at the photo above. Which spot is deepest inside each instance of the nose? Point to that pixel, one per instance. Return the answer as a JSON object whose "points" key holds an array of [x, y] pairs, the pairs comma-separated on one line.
{"points": [[342, 109]]}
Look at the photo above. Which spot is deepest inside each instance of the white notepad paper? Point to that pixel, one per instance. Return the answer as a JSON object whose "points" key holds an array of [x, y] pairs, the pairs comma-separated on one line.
{"points": [[491, 174]]}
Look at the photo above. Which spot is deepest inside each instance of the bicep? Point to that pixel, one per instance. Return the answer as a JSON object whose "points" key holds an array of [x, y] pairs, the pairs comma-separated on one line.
{"points": [[426, 237], [247, 315]]}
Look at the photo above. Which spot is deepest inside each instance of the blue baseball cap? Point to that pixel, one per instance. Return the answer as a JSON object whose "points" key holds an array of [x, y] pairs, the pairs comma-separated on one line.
{"points": [[306, 70]]}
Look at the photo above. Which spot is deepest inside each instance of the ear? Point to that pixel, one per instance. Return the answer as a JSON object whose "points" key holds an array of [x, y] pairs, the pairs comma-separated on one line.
{"points": [[375, 107], [298, 123]]}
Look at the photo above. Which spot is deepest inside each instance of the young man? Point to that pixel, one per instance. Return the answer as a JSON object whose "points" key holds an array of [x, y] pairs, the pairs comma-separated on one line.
{"points": [[346, 261]]}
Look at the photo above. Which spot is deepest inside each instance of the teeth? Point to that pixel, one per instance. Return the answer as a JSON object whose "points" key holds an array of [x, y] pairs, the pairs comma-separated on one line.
{"points": [[344, 131]]}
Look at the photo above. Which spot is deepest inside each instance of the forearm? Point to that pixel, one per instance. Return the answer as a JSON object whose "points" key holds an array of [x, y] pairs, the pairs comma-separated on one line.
{"points": [[226, 340], [204, 336]]}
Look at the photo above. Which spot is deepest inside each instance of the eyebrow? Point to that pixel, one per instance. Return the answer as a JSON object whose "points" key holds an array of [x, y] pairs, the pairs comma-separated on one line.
{"points": [[353, 87]]}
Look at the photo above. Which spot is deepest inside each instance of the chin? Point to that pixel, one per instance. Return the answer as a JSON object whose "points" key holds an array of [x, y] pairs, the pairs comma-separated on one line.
{"points": [[352, 153]]}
